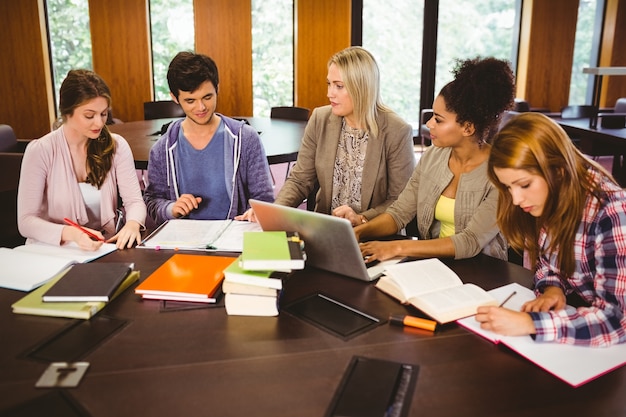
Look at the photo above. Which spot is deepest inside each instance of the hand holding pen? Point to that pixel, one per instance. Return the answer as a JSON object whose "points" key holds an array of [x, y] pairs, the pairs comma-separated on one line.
{"points": [[87, 239]]}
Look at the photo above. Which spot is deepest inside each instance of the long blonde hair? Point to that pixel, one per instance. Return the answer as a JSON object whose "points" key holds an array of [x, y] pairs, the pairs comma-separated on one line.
{"points": [[361, 77], [535, 143]]}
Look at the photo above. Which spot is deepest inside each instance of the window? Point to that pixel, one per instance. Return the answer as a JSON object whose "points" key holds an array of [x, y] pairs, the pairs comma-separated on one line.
{"points": [[585, 51], [172, 29], [471, 28], [396, 43], [70, 38], [272, 55], [466, 29]]}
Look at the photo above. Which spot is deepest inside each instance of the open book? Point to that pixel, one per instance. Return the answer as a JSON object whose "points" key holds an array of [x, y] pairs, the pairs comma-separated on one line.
{"points": [[575, 365], [27, 267], [435, 289], [206, 235]]}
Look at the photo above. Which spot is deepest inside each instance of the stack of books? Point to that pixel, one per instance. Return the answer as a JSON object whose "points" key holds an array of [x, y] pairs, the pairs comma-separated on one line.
{"points": [[185, 277], [78, 292], [253, 284]]}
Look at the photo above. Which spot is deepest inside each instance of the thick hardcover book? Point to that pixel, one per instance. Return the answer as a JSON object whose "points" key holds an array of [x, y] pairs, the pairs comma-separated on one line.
{"points": [[197, 277], [573, 364], [250, 305], [269, 279], [96, 281], [435, 289], [271, 251], [33, 304], [238, 288]]}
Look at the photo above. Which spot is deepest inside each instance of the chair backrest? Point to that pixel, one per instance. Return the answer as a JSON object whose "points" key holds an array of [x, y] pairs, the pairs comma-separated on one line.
{"points": [[620, 105], [521, 105], [161, 110], [291, 113], [578, 111], [8, 140]]}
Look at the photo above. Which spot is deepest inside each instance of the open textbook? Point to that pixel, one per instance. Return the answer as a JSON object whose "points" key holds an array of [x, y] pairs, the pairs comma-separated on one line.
{"points": [[575, 365], [27, 267], [435, 289], [207, 235]]}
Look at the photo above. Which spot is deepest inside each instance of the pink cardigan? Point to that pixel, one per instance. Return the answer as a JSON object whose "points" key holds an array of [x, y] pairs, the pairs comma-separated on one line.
{"points": [[49, 191]]}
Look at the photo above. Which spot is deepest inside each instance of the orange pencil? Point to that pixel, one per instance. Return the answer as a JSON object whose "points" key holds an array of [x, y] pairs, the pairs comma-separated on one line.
{"points": [[413, 322], [82, 229]]}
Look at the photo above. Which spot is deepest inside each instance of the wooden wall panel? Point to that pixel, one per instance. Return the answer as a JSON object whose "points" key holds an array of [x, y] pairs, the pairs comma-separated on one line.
{"points": [[547, 52], [25, 77], [224, 32], [613, 52], [121, 51], [322, 28]]}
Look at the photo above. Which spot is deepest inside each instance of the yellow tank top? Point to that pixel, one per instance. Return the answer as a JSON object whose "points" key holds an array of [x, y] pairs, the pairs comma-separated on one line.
{"points": [[444, 213]]}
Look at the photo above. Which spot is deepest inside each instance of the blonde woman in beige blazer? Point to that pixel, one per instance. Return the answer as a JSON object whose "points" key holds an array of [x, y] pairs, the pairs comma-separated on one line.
{"points": [[358, 150]]}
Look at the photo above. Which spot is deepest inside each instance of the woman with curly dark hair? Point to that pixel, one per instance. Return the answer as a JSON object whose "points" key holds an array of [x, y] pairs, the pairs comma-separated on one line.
{"points": [[77, 172], [449, 191]]}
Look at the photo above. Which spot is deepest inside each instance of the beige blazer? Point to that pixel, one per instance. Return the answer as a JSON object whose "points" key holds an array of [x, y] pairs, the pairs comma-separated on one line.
{"points": [[389, 162]]}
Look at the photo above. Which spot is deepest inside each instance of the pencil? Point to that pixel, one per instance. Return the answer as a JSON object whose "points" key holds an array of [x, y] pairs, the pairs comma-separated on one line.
{"points": [[82, 229], [508, 298]]}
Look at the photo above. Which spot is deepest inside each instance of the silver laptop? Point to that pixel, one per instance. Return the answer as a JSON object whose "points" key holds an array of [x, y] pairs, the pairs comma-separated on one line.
{"points": [[329, 241]]}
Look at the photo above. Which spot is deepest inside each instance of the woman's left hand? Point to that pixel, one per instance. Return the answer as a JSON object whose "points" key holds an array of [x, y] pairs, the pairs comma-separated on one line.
{"points": [[128, 236]]}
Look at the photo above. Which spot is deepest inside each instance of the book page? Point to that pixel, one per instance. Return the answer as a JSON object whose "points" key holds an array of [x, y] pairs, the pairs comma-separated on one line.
{"points": [[522, 294], [28, 266], [420, 277], [575, 365], [232, 238], [70, 251], [453, 303]]}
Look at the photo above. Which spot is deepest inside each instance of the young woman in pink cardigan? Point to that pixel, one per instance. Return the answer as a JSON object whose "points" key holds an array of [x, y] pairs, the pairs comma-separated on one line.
{"points": [[78, 172]]}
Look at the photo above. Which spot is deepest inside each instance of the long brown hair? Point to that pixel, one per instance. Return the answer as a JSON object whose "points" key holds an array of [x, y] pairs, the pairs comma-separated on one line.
{"points": [[535, 143], [80, 86]]}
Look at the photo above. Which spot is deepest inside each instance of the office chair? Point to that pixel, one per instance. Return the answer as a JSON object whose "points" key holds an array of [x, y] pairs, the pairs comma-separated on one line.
{"points": [[290, 112], [425, 116], [161, 110], [8, 140], [521, 105]]}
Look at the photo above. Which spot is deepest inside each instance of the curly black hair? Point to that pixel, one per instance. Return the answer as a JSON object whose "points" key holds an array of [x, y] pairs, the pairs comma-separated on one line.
{"points": [[482, 89]]}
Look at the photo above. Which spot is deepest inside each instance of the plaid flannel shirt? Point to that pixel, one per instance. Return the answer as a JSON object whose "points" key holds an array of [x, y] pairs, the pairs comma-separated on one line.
{"points": [[599, 277]]}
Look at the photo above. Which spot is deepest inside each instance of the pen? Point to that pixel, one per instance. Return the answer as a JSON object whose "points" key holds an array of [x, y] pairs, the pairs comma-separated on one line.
{"points": [[82, 229], [508, 298], [413, 322]]}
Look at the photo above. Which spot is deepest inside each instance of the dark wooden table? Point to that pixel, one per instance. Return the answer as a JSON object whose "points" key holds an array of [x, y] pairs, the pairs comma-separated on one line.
{"points": [[281, 138], [204, 363], [609, 141]]}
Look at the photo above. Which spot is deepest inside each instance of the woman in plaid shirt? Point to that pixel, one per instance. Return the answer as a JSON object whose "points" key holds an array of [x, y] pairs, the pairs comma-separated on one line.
{"points": [[567, 213]]}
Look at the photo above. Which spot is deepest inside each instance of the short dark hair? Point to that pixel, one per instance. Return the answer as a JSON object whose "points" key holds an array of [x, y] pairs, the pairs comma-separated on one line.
{"points": [[188, 71]]}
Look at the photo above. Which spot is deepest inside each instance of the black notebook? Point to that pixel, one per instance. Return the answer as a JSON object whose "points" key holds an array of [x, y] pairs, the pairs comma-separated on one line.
{"points": [[89, 282]]}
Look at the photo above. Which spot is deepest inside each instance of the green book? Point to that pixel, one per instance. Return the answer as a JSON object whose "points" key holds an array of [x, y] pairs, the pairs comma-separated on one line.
{"points": [[33, 304], [272, 251], [234, 273]]}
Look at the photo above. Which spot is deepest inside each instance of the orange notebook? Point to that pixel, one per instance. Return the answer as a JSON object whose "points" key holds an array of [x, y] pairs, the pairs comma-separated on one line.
{"points": [[197, 277]]}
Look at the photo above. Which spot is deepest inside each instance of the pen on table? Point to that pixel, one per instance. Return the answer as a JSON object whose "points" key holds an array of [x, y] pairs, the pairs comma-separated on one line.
{"points": [[82, 229], [508, 298], [413, 322]]}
